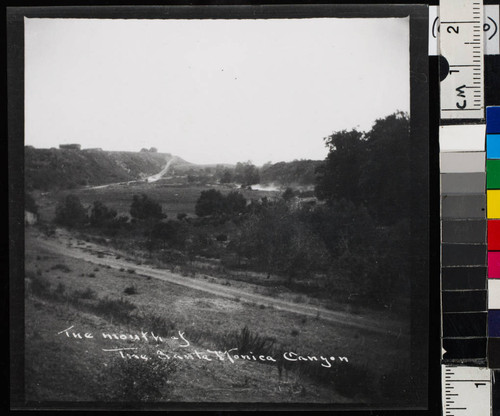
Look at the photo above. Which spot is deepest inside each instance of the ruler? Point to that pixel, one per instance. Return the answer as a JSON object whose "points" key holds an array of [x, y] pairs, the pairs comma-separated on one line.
{"points": [[462, 65], [466, 391]]}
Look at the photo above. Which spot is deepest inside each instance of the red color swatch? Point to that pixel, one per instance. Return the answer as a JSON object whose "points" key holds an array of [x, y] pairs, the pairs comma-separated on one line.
{"points": [[493, 264], [493, 235]]}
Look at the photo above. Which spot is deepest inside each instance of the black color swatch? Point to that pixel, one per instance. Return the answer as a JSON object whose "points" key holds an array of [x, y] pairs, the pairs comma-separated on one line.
{"points": [[494, 353], [457, 278], [466, 348], [495, 393], [464, 324], [466, 301], [464, 255]]}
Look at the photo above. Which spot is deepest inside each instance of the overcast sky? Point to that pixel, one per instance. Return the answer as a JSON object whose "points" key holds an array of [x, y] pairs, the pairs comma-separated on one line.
{"points": [[212, 90]]}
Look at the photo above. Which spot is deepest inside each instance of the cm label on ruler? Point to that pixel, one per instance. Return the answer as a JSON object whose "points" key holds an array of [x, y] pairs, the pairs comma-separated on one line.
{"points": [[461, 67]]}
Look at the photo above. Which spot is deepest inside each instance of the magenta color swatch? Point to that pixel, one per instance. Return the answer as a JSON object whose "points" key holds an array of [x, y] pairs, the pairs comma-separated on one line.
{"points": [[493, 264]]}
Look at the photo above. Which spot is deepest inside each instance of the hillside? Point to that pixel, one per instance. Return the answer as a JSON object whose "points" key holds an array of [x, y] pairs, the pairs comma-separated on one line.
{"points": [[47, 169], [298, 172]]}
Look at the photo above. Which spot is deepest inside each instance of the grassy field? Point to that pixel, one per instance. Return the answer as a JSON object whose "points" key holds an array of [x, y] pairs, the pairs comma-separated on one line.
{"points": [[65, 292], [175, 196]]}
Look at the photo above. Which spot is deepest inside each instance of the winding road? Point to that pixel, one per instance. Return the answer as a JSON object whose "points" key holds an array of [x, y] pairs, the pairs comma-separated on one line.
{"points": [[101, 255]]}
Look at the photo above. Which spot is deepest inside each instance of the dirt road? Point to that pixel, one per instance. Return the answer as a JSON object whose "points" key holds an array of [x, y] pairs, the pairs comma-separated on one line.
{"points": [[105, 256]]}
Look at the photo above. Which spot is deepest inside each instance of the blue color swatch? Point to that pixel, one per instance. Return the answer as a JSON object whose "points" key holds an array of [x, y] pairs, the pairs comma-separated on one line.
{"points": [[494, 323], [493, 119]]}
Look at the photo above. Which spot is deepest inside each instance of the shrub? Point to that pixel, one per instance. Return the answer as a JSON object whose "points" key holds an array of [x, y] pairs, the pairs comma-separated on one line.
{"points": [[158, 324], [130, 290], [39, 286], [144, 208], [210, 202], [136, 380], [118, 309], [61, 267], [101, 215], [85, 294], [60, 289], [70, 212], [221, 237], [246, 342]]}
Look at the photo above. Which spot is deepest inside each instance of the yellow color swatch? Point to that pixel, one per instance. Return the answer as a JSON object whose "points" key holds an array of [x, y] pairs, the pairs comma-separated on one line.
{"points": [[493, 203]]}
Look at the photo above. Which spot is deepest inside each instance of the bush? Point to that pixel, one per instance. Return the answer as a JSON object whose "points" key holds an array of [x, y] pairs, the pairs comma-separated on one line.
{"points": [[70, 212], [39, 286], [101, 215], [85, 294], [145, 208], [210, 202], [181, 216], [159, 325], [130, 290], [61, 267], [247, 342], [60, 289], [221, 237], [118, 309], [136, 380]]}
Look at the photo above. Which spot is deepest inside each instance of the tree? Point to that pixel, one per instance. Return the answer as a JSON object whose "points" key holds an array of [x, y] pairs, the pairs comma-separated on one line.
{"points": [[278, 242], [371, 169], [226, 176], [234, 203], [70, 212], [145, 208], [171, 232], [246, 173], [386, 174], [339, 177], [153, 150], [210, 202], [288, 194], [101, 215]]}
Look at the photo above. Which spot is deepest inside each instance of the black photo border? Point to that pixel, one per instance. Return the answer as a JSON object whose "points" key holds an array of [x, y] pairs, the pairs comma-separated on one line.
{"points": [[421, 201]]}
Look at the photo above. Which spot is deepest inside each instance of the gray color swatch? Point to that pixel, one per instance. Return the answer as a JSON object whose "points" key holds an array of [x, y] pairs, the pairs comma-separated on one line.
{"points": [[463, 183], [469, 231], [463, 206], [463, 255], [457, 162]]}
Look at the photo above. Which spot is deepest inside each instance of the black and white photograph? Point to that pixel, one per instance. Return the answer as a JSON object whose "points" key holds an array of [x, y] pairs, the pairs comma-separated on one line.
{"points": [[224, 209]]}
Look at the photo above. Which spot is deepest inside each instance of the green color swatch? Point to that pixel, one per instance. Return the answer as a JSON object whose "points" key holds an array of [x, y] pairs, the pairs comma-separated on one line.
{"points": [[493, 174]]}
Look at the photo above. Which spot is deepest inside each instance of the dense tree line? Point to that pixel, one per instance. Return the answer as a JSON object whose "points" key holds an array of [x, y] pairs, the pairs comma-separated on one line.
{"points": [[370, 169]]}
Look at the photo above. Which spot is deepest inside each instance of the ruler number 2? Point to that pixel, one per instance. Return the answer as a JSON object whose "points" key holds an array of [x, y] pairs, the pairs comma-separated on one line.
{"points": [[453, 29]]}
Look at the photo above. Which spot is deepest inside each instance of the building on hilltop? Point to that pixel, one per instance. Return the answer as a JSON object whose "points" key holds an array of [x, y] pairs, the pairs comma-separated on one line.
{"points": [[72, 146]]}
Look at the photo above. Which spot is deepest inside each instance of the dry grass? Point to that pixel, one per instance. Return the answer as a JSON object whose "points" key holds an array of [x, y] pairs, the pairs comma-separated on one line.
{"points": [[207, 321]]}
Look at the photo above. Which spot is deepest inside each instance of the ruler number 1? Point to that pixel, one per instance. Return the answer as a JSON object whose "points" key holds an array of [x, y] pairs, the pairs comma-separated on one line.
{"points": [[453, 29]]}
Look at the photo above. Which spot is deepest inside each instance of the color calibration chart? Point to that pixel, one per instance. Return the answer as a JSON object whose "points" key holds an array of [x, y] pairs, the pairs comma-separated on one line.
{"points": [[493, 212], [469, 140]]}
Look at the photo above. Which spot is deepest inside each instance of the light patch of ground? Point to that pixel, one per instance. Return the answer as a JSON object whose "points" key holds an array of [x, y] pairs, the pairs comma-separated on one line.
{"points": [[207, 304]]}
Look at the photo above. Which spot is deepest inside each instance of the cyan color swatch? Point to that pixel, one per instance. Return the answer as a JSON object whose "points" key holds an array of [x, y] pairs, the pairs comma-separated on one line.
{"points": [[493, 146]]}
